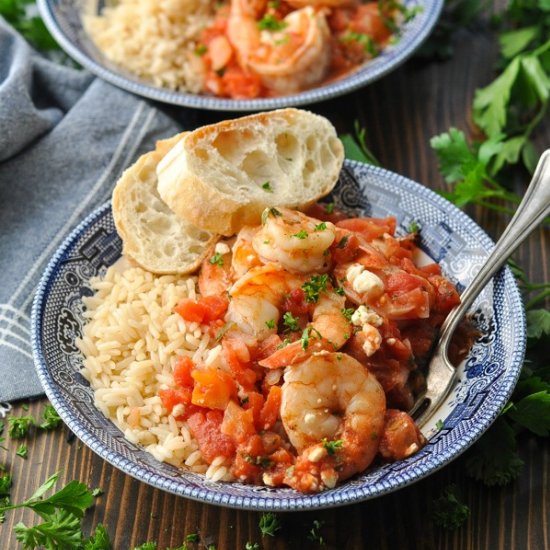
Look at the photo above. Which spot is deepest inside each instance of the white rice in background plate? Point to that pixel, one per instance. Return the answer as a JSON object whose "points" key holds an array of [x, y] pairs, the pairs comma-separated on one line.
{"points": [[154, 39], [130, 345]]}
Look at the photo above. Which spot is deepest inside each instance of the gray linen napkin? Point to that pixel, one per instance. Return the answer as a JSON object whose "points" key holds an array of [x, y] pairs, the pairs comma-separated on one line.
{"points": [[65, 138]]}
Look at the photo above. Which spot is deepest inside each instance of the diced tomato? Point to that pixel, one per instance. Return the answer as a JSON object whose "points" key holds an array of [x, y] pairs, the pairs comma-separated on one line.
{"points": [[369, 228], [182, 372], [214, 307], [431, 269], [205, 310], [414, 304], [345, 246], [401, 281], [175, 396], [368, 20], [238, 423], [266, 347], [214, 388], [319, 211], [401, 437], [447, 296], [247, 465], [270, 410], [190, 310], [205, 427], [255, 403], [296, 303], [239, 84], [237, 356]]}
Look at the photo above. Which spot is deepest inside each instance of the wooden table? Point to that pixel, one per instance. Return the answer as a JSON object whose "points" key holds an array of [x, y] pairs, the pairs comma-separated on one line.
{"points": [[401, 113]]}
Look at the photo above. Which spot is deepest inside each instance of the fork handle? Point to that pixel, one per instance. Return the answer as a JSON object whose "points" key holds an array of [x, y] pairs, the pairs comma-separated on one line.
{"points": [[534, 207]]}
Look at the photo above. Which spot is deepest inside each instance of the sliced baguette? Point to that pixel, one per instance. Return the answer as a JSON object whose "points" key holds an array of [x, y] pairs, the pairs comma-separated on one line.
{"points": [[221, 177], [152, 235]]}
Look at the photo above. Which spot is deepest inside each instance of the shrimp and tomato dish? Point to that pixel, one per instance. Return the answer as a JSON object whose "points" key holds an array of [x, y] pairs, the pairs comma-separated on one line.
{"points": [[244, 49], [318, 326], [263, 48]]}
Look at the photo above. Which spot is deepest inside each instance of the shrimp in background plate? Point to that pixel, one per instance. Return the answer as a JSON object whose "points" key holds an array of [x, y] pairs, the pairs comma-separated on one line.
{"points": [[288, 56], [296, 241], [331, 397]]}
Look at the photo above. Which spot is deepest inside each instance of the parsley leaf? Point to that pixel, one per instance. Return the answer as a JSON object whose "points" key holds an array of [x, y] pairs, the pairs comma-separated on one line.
{"points": [[290, 322], [18, 426], [494, 459], [302, 234], [269, 524], [5, 485], [147, 546], [99, 540], [270, 23], [315, 532], [51, 418], [538, 323], [314, 287], [332, 446], [251, 546], [449, 512], [22, 451], [216, 259], [267, 187], [533, 413], [355, 148], [270, 323]]}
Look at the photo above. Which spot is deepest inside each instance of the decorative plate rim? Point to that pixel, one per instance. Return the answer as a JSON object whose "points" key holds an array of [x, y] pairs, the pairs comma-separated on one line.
{"points": [[262, 501], [368, 73]]}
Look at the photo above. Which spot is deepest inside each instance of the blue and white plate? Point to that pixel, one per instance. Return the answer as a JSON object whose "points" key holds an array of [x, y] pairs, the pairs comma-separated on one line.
{"points": [[487, 377], [63, 19]]}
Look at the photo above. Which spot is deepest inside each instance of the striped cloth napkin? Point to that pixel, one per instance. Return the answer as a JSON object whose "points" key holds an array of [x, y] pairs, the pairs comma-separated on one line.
{"points": [[65, 138]]}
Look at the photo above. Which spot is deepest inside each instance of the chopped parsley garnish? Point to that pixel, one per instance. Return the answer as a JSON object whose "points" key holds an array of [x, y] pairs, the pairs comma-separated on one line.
{"points": [[25, 406], [365, 40], [223, 330], [315, 532], [267, 187], [339, 290], [5, 485], [414, 227], [290, 322], [201, 49], [270, 323], [22, 451], [274, 4], [306, 335], [320, 226], [347, 312], [342, 242], [269, 212], [192, 537], [302, 234], [440, 424], [97, 492], [329, 208], [18, 426], [449, 512], [270, 23], [251, 546], [216, 259], [51, 418], [314, 287], [261, 461], [269, 524], [332, 446]]}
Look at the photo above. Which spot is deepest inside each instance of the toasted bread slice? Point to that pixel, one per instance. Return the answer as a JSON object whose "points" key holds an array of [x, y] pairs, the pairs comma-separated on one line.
{"points": [[152, 235], [222, 176]]}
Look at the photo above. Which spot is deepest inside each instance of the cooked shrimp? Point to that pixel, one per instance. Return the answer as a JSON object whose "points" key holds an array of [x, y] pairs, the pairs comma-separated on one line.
{"points": [[214, 275], [294, 56], [331, 397], [257, 296], [296, 241], [329, 330], [244, 255]]}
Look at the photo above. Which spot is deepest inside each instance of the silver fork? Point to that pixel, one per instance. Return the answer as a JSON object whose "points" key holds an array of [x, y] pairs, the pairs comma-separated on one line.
{"points": [[534, 207]]}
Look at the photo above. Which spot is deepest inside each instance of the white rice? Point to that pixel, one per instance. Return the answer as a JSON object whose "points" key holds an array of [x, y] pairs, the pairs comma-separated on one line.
{"points": [[130, 345], [154, 39]]}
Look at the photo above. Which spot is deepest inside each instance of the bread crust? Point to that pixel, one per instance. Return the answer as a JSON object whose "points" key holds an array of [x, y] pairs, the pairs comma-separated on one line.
{"points": [[213, 178], [147, 227]]}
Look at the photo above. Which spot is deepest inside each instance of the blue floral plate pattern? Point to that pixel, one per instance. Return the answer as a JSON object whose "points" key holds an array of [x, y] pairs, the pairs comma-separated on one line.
{"points": [[63, 19], [487, 377]]}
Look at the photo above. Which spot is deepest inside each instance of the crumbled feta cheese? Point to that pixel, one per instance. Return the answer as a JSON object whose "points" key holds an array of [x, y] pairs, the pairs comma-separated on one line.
{"points": [[365, 314], [222, 248], [329, 478], [373, 340], [178, 410], [364, 281], [317, 453]]}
